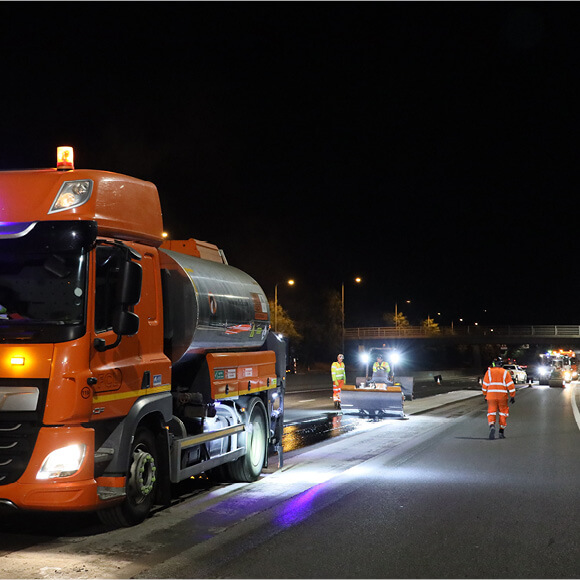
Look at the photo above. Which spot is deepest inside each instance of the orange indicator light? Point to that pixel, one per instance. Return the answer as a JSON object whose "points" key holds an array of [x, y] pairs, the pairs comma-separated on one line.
{"points": [[17, 360]]}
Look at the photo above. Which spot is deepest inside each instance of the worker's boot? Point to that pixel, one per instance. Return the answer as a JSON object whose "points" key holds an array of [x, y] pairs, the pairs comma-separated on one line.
{"points": [[501, 433], [492, 431]]}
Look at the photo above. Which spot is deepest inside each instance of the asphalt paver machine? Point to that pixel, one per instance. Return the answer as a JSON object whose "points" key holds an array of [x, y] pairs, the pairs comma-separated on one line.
{"points": [[378, 392]]}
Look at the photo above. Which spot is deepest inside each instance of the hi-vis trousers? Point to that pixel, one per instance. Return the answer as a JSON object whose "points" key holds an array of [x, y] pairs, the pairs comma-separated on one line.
{"points": [[336, 387], [498, 406]]}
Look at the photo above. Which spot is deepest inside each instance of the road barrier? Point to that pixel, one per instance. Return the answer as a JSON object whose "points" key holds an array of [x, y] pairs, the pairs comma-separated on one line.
{"points": [[523, 331]]}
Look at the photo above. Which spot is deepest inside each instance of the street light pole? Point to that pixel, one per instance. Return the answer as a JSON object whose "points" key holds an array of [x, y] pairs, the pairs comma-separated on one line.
{"points": [[342, 313], [397, 312], [358, 280], [276, 308], [290, 283]]}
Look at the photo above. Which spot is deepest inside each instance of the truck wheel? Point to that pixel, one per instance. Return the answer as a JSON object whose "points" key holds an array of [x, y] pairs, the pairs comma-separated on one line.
{"points": [[249, 467], [141, 487]]}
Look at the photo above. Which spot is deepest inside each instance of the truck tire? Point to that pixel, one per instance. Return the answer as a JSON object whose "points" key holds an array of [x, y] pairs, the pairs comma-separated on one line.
{"points": [[141, 487], [249, 467]]}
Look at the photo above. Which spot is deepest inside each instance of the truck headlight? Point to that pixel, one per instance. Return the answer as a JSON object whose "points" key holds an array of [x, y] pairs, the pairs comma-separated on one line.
{"points": [[62, 462]]}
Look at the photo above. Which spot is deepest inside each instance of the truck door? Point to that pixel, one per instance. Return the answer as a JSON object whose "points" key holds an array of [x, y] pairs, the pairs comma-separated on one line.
{"points": [[117, 369], [136, 366]]}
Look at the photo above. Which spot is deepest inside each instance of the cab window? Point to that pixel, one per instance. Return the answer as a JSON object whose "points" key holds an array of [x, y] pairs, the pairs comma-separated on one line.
{"points": [[109, 259]]}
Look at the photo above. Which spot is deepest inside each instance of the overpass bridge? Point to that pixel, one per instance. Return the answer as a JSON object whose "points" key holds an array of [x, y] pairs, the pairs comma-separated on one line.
{"points": [[548, 334]]}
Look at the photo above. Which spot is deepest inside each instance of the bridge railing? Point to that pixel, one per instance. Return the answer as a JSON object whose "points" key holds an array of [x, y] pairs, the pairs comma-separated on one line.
{"points": [[543, 331]]}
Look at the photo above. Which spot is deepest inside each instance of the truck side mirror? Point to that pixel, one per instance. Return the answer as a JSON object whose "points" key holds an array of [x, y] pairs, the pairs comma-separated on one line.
{"points": [[129, 284], [125, 322]]}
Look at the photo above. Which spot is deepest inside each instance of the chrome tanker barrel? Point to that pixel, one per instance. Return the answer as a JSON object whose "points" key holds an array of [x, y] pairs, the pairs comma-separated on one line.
{"points": [[210, 306]]}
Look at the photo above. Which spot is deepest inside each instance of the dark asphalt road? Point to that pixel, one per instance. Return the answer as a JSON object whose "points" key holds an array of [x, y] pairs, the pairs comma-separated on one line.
{"points": [[427, 497], [310, 416], [444, 503]]}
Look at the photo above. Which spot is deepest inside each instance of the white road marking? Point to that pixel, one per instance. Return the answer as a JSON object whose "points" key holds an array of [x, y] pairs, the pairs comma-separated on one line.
{"points": [[575, 406]]}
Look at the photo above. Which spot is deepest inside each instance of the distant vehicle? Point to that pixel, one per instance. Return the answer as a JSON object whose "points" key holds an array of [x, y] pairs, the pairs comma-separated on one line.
{"points": [[558, 368], [518, 374], [559, 377]]}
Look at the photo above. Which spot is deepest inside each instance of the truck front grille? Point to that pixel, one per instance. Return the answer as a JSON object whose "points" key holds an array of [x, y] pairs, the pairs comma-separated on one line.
{"points": [[19, 431], [16, 445]]}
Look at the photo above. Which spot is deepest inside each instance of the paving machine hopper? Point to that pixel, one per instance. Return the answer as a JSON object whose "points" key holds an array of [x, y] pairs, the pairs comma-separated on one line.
{"points": [[373, 399]]}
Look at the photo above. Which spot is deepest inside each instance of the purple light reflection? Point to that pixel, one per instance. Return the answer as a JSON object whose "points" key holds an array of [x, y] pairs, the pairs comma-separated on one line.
{"points": [[299, 508], [15, 229]]}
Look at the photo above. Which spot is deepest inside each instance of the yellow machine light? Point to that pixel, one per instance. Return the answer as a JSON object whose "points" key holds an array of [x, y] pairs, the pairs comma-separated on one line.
{"points": [[17, 360], [65, 158]]}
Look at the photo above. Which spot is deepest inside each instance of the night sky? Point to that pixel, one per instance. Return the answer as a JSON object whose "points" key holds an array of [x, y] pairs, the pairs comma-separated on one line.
{"points": [[430, 148]]}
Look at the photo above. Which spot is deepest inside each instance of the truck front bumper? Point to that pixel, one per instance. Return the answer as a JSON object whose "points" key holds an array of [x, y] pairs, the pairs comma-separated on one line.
{"points": [[76, 492]]}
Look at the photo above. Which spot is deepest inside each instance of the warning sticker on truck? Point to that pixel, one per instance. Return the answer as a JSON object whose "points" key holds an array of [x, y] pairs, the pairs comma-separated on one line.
{"points": [[260, 306]]}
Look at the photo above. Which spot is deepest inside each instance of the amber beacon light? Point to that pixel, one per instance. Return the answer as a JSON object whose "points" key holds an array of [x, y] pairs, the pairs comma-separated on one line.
{"points": [[64, 158]]}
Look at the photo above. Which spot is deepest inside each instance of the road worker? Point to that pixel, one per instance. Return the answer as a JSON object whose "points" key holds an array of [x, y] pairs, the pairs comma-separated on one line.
{"points": [[381, 368], [338, 373], [497, 386]]}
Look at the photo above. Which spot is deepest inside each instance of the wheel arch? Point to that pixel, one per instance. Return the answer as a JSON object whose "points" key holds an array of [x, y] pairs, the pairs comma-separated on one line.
{"points": [[152, 412], [247, 403]]}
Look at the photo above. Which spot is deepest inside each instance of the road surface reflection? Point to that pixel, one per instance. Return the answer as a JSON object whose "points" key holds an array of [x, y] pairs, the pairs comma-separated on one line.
{"points": [[326, 426]]}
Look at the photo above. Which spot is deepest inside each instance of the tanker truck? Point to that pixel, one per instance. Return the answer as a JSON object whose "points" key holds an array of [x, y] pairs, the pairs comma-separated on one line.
{"points": [[128, 363]]}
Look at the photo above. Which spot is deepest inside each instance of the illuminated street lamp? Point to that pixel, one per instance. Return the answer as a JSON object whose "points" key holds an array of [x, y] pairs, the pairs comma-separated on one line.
{"points": [[290, 283]]}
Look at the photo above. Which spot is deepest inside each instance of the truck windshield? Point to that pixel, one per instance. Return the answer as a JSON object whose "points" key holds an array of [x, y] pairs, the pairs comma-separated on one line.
{"points": [[43, 282]]}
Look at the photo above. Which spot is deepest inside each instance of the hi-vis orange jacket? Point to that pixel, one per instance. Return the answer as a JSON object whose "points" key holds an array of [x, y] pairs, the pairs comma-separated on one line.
{"points": [[497, 384]]}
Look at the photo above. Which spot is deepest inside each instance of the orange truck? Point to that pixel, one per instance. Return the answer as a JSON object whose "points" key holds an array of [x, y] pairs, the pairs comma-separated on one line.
{"points": [[127, 363]]}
